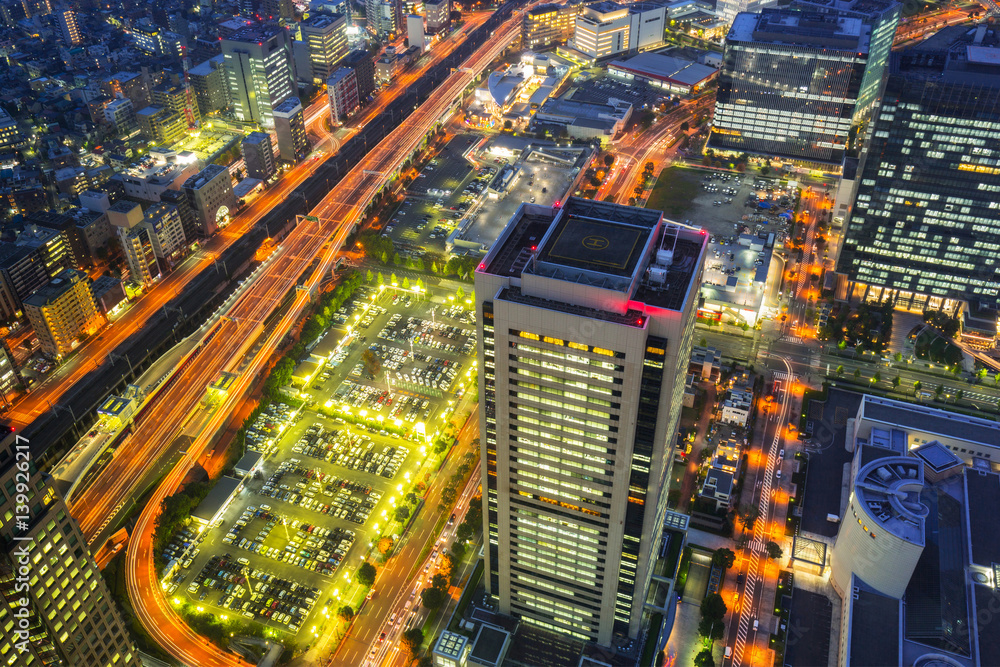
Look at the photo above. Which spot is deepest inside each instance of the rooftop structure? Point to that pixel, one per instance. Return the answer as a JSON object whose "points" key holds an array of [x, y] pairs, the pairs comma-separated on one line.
{"points": [[217, 500], [674, 74]]}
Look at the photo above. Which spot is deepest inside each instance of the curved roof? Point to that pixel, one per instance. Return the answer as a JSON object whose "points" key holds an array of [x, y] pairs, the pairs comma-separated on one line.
{"points": [[889, 489]]}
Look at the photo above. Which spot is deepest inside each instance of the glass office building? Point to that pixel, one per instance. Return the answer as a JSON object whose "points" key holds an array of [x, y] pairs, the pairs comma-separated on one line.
{"points": [[800, 84], [924, 225]]}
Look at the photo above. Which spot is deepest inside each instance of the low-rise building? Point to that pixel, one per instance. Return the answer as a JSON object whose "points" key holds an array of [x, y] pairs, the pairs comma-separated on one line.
{"points": [[584, 120], [737, 406], [63, 312], [706, 363], [677, 75]]}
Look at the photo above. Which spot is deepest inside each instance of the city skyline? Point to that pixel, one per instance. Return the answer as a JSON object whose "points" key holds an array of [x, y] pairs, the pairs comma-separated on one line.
{"points": [[257, 261]]}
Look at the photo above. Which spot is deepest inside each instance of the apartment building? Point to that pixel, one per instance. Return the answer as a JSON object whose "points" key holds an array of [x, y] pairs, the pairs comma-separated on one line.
{"points": [[62, 312]]}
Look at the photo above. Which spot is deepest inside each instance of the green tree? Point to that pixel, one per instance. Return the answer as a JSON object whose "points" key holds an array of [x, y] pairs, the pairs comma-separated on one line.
{"points": [[413, 638], [704, 659], [411, 498], [381, 278], [393, 280], [397, 260], [713, 607], [842, 345], [747, 514], [898, 357], [939, 389], [459, 294], [840, 369], [346, 613], [609, 160], [724, 558], [711, 629], [406, 283], [402, 513], [773, 550], [432, 598], [366, 574], [685, 126], [369, 277], [959, 395], [895, 382], [458, 550], [876, 378], [917, 386], [857, 373]]}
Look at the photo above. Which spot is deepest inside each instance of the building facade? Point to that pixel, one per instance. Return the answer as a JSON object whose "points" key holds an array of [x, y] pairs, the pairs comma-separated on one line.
{"points": [[210, 85], [606, 29], [548, 25], [800, 84], [211, 195], [586, 318], [438, 15], [62, 312], [166, 232], [121, 114], [69, 29], [923, 226], [260, 70], [290, 127], [258, 155], [326, 39], [71, 616], [363, 65], [342, 89]]}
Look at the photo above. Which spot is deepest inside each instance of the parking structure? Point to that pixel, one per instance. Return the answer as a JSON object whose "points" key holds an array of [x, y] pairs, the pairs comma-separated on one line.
{"points": [[306, 521]]}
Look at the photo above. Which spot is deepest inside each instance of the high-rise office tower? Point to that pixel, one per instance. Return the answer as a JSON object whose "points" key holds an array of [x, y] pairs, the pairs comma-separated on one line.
{"points": [[326, 39], [923, 227], [586, 316], [69, 29], [260, 70], [801, 83], [70, 616]]}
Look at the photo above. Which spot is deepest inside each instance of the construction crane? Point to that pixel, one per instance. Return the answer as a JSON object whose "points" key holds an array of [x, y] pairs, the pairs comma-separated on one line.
{"points": [[189, 101]]}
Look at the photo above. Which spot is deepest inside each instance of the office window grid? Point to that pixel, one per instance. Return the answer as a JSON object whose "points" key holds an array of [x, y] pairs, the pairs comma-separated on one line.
{"points": [[924, 219]]}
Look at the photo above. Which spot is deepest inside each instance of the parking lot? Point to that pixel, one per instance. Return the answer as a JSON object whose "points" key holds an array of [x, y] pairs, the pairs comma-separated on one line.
{"points": [[731, 204], [336, 470], [437, 198]]}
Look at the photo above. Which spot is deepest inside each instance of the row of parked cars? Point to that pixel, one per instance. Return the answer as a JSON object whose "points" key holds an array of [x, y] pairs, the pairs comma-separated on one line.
{"points": [[305, 493]]}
